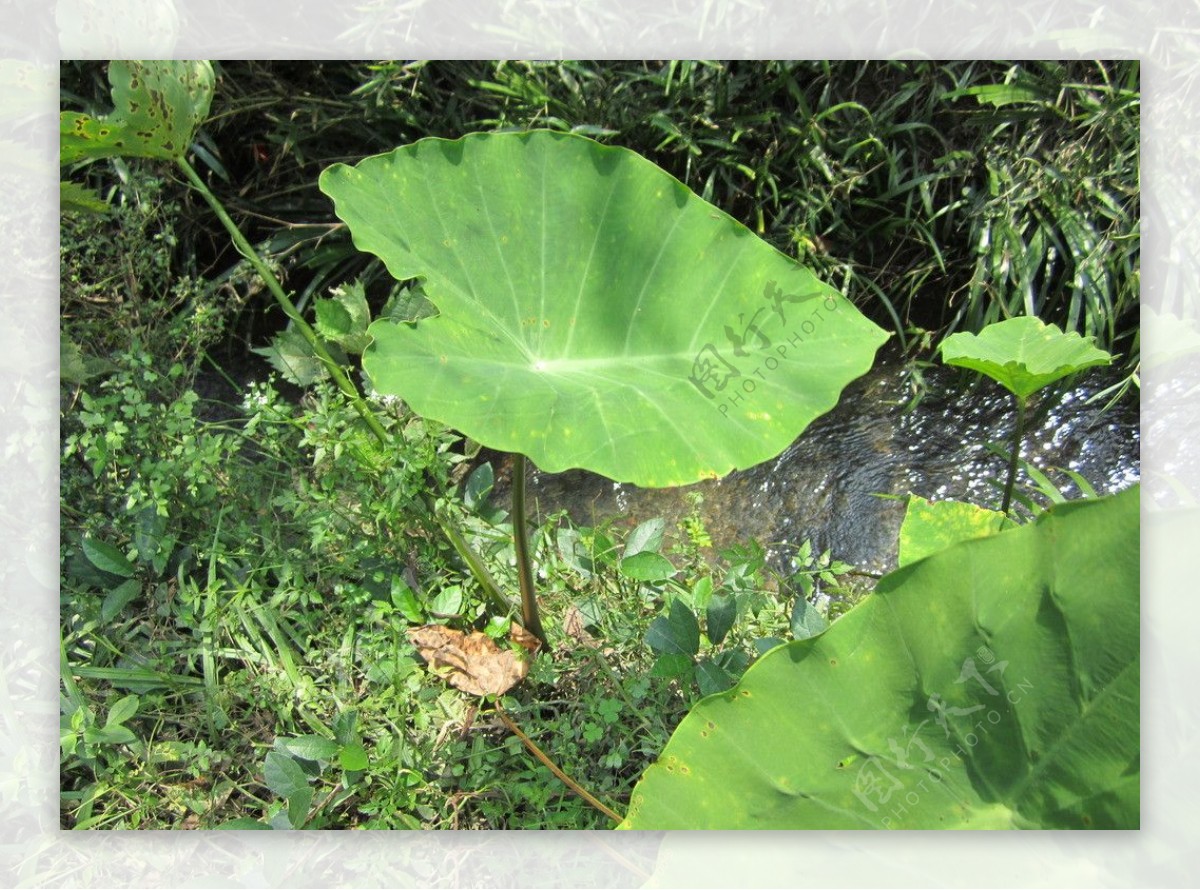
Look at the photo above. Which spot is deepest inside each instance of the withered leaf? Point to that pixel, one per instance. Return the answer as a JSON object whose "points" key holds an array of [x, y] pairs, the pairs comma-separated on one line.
{"points": [[474, 662]]}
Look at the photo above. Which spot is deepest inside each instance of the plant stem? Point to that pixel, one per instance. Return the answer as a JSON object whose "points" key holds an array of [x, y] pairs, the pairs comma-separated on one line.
{"points": [[550, 765], [1014, 458], [344, 383], [529, 607]]}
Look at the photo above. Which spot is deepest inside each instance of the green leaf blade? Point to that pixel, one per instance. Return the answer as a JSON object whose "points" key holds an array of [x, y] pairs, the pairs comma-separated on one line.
{"points": [[594, 312], [992, 685], [1023, 354], [931, 526]]}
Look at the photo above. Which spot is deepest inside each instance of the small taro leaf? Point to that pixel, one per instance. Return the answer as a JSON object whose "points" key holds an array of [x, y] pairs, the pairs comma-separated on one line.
{"points": [[353, 758], [676, 633], [122, 710], [712, 677], [571, 549], [994, 684], [806, 620], [722, 611], [107, 558], [448, 602], [930, 526], [673, 667], [647, 566], [592, 311], [1022, 354], [74, 198], [646, 538], [283, 775], [479, 486], [312, 747], [157, 107], [118, 598]]}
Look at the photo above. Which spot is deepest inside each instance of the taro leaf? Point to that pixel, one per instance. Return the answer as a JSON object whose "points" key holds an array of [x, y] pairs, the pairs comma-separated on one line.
{"points": [[157, 107], [594, 312], [992, 685], [353, 758], [1023, 354], [930, 526], [474, 663], [447, 603]]}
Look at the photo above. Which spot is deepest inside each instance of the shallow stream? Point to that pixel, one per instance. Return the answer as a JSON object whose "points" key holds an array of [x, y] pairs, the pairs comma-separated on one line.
{"points": [[832, 484]]}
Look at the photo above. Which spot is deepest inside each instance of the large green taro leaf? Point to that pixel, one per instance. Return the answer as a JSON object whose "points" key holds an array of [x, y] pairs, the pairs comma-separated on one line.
{"points": [[991, 685], [593, 312], [157, 107]]}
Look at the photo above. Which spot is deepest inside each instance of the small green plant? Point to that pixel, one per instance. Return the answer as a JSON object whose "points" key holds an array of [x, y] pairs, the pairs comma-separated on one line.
{"points": [[1023, 355], [296, 767]]}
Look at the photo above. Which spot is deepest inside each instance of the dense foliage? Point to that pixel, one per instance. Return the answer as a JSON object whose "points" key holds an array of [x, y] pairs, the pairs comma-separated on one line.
{"points": [[240, 555]]}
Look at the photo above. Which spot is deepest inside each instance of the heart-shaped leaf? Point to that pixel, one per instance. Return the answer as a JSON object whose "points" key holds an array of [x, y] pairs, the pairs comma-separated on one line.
{"points": [[1023, 354], [991, 685], [594, 312], [157, 107]]}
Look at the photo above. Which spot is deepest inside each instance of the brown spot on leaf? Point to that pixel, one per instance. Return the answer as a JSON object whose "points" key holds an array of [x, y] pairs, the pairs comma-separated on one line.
{"points": [[474, 662]]}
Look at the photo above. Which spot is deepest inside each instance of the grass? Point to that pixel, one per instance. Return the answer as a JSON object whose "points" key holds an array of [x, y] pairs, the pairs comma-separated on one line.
{"points": [[240, 586], [238, 578]]}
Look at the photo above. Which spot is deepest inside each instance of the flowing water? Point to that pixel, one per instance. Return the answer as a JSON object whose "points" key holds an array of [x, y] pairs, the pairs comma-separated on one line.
{"points": [[831, 485]]}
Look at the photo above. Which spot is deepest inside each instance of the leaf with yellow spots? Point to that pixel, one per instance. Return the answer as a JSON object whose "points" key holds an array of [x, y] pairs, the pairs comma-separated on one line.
{"points": [[158, 105], [994, 684]]}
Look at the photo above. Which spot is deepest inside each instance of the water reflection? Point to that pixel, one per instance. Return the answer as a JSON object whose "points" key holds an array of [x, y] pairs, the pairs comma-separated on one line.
{"points": [[839, 482]]}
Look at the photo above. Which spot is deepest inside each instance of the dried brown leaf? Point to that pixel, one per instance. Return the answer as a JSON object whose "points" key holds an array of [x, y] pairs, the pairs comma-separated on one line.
{"points": [[474, 662]]}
